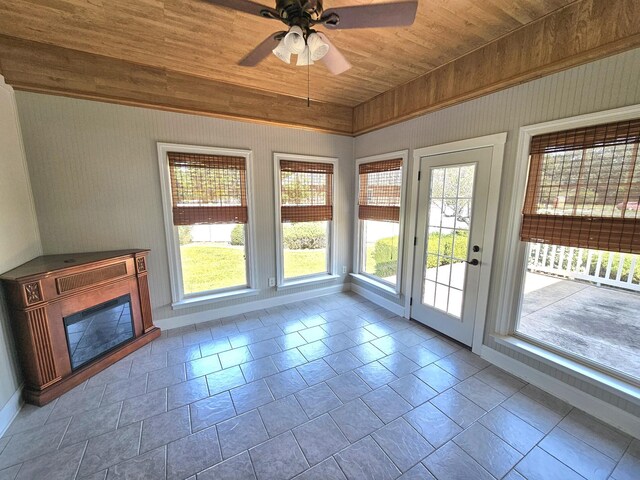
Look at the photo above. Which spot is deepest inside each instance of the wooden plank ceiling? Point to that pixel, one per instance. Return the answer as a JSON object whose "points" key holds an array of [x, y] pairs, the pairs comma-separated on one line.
{"points": [[197, 38], [165, 47], [581, 32]]}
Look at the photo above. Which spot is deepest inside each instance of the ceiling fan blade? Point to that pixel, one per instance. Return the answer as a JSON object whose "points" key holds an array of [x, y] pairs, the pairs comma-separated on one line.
{"points": [[335, 62], [261, 52], [395, 14], [245, 6]]}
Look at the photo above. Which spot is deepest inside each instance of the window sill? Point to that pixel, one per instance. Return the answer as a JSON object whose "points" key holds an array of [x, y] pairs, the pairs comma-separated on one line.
{"points": [[572, 367], [306, 281], [379, 285], [214, 298]]}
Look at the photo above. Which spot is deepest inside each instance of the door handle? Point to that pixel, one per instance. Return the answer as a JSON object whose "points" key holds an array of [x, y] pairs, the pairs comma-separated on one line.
{"points": [[473, 262]]}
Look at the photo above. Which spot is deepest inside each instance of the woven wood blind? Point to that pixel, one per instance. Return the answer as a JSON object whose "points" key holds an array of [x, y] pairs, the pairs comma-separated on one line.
{"points": [[380, 190], [306, 191], [208, 189], [584, 188]]}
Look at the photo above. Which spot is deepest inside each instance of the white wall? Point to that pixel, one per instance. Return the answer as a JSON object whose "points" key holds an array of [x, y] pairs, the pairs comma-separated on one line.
{"points": [[19, 239], [601, 85], [95, 178]]}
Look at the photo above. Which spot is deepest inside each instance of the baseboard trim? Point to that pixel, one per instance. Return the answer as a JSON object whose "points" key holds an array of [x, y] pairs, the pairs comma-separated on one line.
{"points": [[600, 409], [10, 410], [215, 313], [377, 299]]}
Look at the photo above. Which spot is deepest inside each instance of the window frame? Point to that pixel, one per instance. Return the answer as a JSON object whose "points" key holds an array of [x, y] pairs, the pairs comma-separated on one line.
{"points": [[281, 282], [514, 267], [179, 298], [358, 225]]}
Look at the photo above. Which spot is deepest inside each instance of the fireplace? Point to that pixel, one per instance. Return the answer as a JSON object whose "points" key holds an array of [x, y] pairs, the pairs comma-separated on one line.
{"points": [[96, 330], [74, 315]]}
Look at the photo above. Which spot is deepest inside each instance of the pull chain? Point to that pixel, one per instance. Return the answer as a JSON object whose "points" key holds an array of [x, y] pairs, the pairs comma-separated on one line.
{"points": [[308, 78]]}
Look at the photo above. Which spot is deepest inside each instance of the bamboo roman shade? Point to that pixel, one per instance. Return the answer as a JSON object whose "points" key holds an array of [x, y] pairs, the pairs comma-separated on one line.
{"points": [[208, 189], [306, 191], [584, 188], [380, 190]]}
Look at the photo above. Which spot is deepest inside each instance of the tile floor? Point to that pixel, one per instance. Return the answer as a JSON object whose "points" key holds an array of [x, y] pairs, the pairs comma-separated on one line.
{"points": [[330, 388]]}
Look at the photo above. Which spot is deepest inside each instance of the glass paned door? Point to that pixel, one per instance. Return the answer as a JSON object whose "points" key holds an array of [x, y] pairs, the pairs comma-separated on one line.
{"points": [[449, 222], [452, 203]]}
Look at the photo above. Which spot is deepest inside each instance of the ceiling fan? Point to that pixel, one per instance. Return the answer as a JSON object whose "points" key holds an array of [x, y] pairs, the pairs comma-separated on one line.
{"points": [[301, 16]]}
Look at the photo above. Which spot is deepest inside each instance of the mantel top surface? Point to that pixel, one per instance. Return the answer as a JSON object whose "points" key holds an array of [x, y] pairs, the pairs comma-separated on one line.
{"points": [[51, 263]]}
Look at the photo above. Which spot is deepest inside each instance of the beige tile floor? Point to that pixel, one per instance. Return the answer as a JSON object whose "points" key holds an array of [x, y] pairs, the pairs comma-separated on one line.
{"points": [[330, 388]]}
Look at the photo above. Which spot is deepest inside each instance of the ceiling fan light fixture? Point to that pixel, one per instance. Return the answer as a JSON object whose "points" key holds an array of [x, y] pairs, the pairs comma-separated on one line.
{"points": [[294, 40], [304, 58], [301, 16], [282, 52], [317, 47]]}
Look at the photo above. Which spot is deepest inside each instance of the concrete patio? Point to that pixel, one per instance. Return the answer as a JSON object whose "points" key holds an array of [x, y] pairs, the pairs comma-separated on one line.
{"points": [[598, 323]]}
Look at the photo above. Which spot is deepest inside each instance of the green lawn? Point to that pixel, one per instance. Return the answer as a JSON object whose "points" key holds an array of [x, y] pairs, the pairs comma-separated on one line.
{"points": [[370, 265], [213, 266], [304, 262]]}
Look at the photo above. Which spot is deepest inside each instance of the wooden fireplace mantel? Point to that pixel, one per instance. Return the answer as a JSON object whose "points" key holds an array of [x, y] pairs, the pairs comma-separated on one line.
{"points": [[42, 292]]}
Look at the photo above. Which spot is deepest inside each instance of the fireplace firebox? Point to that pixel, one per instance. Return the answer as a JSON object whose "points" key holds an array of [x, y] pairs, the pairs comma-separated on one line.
{"points": [[96, 330]]}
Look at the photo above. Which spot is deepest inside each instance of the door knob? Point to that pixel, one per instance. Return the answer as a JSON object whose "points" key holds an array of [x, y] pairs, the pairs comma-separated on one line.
{"points": [[473, 262]]}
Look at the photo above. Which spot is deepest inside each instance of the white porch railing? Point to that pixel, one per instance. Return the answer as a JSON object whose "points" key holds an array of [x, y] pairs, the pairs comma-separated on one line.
{"points": [[603, 268]]}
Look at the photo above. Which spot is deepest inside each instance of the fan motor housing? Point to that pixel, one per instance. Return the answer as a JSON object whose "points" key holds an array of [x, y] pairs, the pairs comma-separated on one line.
{"points": [[296, 12]]}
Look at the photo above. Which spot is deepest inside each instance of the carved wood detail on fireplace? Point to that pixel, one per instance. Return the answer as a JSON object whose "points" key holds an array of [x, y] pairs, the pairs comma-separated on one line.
{"points": [[32, 293], [41, 338], [91, 277], [62, 313], [140, 264]]}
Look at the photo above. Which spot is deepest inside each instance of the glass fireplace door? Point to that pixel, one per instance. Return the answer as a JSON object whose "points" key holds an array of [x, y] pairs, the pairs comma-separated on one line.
{"points": [[96, 330]]}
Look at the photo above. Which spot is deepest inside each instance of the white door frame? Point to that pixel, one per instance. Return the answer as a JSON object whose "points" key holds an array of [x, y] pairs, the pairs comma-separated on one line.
{"points": [[497, 142]]}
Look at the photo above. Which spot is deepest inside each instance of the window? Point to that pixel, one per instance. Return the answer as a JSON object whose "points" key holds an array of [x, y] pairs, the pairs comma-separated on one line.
{"points": [[581, 225], [305, 226], [584, 188], [207, 216], [379, 224]]}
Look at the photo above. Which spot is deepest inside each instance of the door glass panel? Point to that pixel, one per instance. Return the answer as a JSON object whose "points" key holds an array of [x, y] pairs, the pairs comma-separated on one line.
{"points": [[460, 245], [431, 272], [445, 237], [457, 280], [434, 213], [450, 203], [429, 292], [437, 183], [463, 214], [465, 185], [444, 272], [442, 297], [455, 302]]}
